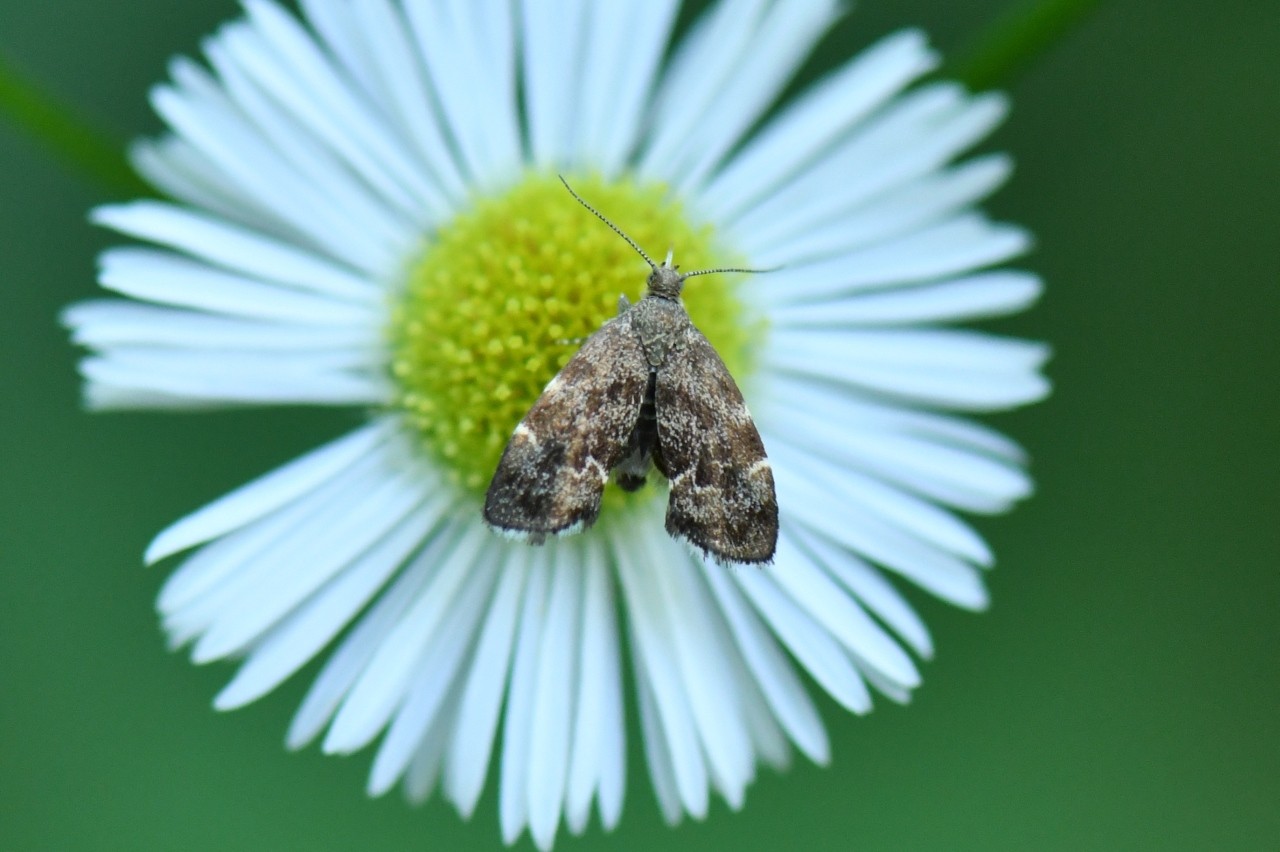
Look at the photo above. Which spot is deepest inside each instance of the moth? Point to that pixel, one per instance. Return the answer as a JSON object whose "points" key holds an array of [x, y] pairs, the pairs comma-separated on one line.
{"points": [[645, 391]]}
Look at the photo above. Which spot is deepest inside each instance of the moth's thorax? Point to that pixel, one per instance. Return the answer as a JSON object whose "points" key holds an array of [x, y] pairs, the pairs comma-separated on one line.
{"points": [[658, 320], [666, 281]]}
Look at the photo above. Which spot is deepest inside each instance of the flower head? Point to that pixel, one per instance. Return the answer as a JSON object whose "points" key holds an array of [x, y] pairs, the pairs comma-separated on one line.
{"points": [[365, 213]]}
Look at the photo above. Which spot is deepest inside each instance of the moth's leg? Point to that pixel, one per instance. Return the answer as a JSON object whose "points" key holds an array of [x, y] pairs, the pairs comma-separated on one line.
{"points": [[624, 304]]}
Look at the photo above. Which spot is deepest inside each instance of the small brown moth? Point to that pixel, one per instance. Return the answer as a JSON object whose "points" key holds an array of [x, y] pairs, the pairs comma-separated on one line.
{"points": [[645, 390]]}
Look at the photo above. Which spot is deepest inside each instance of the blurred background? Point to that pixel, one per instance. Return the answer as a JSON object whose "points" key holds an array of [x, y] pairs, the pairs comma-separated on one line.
{"points": [[1122, 693]]}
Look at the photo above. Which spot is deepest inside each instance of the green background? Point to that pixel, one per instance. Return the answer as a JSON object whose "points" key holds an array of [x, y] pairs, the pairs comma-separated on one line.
{"points": [[1123, 691]]}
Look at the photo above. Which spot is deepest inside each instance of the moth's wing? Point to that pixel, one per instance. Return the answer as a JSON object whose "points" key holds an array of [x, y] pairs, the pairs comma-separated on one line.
{"points": [[722, 496], [557, 462]]}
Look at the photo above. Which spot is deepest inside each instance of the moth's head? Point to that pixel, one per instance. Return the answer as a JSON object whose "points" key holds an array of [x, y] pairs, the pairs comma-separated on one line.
{"points": [[666, 280]]}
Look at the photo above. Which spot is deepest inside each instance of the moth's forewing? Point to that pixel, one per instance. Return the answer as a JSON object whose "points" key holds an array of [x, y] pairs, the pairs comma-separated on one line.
{"points": [[722, 494], [555, 466]]}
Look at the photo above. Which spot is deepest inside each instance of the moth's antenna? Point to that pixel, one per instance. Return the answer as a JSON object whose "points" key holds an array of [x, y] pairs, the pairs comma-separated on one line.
{"points": [[641, 251], [604, 219], [730, 269]]}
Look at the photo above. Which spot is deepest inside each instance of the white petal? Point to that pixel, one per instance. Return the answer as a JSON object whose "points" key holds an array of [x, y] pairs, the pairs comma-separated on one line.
{"points": [[306, 632], [174, 163], [437, 675], [231, 247], [943, 575], [979, 296], [917, 518], [895, 213], [661, 769], [424, 765], [201, 379], [929, 465], [703, 63], [872, 414], [471, 744], [785, 35], [552, 45], [390, 52], [375, 695], [337, 29], [245, 160], [811, 645], [655, 661], [893, 691], [469, 50], [424, 768], [623, 47], [612, 757], [370, 634], [488, 37], [356, 209], [952, 247], [928, 348], [334, 542], [815, 120], [97, 397], [172, 279], [222, 570], [131, 331], [910, 138], [517, 724], [956, 369], [277, 53], [184, 174], [827, 604], [767, 737], [872, 590], [553, 703], [266, 494], [774, 675], [706, 676], [597, 759]]}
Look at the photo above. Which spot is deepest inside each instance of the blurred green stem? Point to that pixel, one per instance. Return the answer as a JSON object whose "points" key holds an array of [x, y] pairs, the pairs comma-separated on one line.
{"points": [[1008, 45], [76, 142]]}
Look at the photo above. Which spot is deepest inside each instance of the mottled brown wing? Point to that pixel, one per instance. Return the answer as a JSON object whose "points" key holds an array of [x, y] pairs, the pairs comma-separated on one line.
{"points": [[557, 462], [722, 497]]}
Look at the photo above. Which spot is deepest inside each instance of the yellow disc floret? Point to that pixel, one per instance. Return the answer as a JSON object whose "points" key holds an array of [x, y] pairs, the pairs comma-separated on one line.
{"points": [[504, 294]]}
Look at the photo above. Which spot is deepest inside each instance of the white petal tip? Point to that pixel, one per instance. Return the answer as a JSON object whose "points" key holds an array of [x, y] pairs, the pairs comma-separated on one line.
{"points": [[237, 694], [378, 787], [330, 747], [208, 650], [610, 815], [976, 601], [228, 700], [161, 546], [297, 740], [465, 808], [109, 215]]}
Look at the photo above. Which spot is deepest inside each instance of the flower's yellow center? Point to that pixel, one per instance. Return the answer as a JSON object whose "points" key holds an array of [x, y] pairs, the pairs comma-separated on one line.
{"points": [[504, 294]]}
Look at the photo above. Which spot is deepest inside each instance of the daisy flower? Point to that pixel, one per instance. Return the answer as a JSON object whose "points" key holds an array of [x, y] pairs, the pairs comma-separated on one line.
{"points": [[364, 212]]}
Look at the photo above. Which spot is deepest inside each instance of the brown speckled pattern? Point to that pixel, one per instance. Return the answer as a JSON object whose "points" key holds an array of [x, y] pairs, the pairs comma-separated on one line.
{"points": [[552, 473], [722, 496], [588, 422]]}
